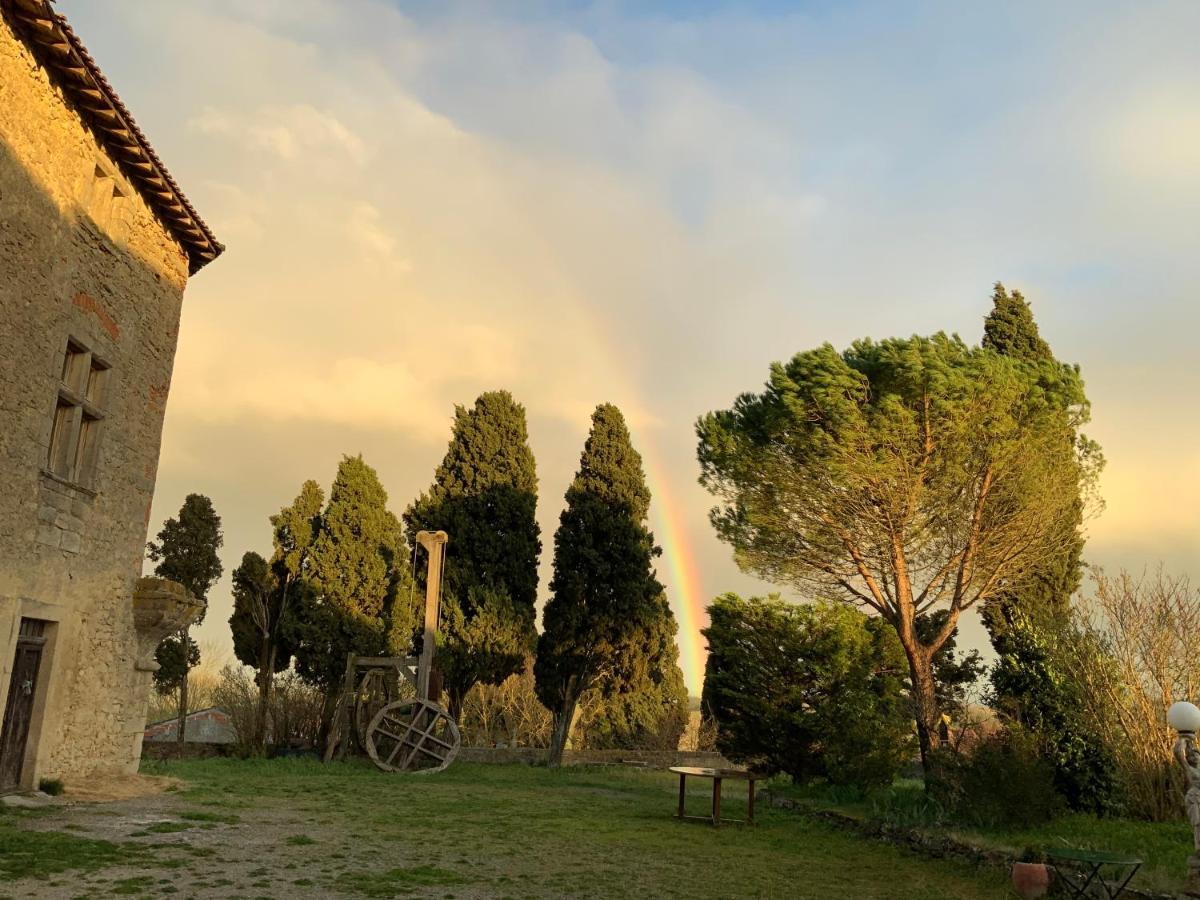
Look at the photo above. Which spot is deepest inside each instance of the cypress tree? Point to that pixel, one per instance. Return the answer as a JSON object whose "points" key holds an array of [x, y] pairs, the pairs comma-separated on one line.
{"points": [[484, 495], [357, 582], [1028, 619], [642, 701], [1010, 330], [259, 640], [186, 553], [604, 590]]}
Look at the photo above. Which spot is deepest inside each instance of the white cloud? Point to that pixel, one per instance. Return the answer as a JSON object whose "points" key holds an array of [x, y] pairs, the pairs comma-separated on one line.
{"points": [[622, 206]]}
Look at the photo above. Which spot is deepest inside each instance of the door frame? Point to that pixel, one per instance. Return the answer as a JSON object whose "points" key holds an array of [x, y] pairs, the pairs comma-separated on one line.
{"points": [[29, 638], [52, 614]]}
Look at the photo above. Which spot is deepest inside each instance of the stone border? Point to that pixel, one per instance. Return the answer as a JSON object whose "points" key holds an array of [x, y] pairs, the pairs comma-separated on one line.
{"points": [[649, 759], [934, 846], [528, 756]]}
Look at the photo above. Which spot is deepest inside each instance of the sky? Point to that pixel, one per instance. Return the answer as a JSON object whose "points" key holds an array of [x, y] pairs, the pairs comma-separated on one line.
{"points": [[646, 204]]}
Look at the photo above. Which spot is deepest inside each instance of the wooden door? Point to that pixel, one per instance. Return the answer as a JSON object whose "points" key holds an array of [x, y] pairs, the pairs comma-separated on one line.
{"points": [[18, 711]]}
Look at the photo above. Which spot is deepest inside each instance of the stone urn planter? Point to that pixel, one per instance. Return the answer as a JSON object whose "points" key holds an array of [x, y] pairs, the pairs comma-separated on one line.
{"points": [[1030, 879]]}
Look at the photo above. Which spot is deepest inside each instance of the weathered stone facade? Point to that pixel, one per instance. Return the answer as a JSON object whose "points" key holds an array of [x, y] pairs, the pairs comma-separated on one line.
{"points": [[86, 268]]}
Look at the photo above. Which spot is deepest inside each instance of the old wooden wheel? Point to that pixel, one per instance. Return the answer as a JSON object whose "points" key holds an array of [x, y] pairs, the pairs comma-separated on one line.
{"points": [[413, 736]]}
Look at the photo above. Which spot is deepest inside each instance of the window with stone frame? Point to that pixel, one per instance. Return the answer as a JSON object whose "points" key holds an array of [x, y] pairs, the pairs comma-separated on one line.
{"points": [[78, 415]]}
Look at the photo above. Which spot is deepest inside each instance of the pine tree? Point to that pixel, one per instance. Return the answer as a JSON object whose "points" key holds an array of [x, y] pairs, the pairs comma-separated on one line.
{"points": [[186, 553], [357, 580], [640, 701], [604, 589], [484, 495]]}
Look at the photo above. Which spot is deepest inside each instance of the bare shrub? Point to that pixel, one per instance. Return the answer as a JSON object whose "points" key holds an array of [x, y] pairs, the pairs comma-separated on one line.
{"points": [[203, 681], [1137, 654], [294, 716], [507, 714]]}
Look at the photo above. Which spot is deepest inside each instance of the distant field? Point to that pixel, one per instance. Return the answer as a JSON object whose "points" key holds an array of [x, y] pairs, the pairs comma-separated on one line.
{"points": [[295, 828]]}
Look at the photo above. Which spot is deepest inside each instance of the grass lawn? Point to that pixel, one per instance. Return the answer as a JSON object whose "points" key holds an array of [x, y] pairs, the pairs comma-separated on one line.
{"points": [[295, 828], [1164, 846]]}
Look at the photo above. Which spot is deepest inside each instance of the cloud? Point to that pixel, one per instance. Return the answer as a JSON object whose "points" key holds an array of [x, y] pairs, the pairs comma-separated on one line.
{"points": [[293, 133], [607, 202]]}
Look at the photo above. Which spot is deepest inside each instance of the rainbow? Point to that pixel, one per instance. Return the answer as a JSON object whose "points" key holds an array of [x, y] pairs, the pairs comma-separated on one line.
{"points": [[682, 576]]}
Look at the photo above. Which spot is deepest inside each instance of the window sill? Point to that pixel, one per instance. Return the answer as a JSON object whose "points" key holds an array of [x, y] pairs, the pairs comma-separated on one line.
{"points": [[87, 492]]}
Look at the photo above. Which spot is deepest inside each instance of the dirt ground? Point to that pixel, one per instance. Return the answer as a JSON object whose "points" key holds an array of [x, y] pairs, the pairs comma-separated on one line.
{"points": [[268, 852]]}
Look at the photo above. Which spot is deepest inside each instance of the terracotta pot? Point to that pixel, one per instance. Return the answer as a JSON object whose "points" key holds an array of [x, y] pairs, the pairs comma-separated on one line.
{"points": [[1030, 880]]}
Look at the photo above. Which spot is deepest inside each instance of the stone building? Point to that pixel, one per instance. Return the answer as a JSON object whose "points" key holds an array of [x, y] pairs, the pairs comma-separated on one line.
{"points": [[96, 245]]}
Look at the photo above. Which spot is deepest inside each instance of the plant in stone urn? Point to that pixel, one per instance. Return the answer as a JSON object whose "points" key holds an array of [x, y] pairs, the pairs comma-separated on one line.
{"points": [[1030, 877], [1185, 719]]}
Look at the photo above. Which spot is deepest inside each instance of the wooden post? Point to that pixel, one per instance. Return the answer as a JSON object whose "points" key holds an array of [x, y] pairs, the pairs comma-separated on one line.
{"points": [[682, 792], [716, 810], [750, 804], [434, 543]]}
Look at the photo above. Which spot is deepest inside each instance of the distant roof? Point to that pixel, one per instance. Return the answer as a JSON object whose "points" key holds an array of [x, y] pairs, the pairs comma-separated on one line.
{"points": [[193, 714], [52, 41]]}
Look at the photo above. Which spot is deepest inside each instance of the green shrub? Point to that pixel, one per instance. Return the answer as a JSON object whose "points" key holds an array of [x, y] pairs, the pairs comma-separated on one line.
{"points": [[812, 690], [51, 786], [1004, 782]]}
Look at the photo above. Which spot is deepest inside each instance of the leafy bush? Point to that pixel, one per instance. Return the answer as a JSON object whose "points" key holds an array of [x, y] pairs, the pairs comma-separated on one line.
{"points": [[1003, 782], [1031, 686], [813, 690]]}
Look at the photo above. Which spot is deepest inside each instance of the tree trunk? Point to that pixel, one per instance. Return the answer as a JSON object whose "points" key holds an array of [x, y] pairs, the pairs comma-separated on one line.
{"points": [[183, 688], [564, 716], [266, 680], [925, 710], [454, 702], [329, 708]]}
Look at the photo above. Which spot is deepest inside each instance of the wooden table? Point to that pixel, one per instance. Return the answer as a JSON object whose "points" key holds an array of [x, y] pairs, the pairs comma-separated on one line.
{"points": [[717, 776]]}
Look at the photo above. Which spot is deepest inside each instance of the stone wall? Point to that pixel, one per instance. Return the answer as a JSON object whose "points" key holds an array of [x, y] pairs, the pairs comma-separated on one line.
{"points": [[81, 258], [654, 759]]}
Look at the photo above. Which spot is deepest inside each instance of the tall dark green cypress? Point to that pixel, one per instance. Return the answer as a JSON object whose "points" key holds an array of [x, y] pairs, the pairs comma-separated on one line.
{"points": [[1010, 329], [186, 553], [641, 701], [357, 583], [484, 495], [1046, 591], [1033, 615], [604, 590]]}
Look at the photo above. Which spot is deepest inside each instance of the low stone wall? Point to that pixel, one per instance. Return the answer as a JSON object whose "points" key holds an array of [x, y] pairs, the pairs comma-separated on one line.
{"points": [[651, 759], [528, 756], [936, 846], [186, 750]]}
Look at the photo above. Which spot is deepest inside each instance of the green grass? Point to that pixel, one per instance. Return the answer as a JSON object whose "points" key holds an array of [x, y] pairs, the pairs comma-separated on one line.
{"points": [[1164, 846], [396, 881], [38, 853], [520, 831]]}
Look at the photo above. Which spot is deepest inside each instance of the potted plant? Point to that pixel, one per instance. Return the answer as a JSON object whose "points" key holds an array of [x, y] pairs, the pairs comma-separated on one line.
{"points": [[1030, 877]]}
